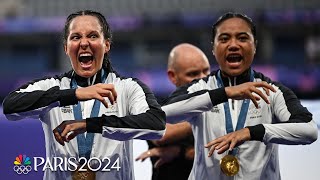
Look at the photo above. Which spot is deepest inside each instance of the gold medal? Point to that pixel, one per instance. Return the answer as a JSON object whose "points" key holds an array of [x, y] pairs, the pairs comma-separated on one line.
{"points": [[229, 165], [83, 175]]}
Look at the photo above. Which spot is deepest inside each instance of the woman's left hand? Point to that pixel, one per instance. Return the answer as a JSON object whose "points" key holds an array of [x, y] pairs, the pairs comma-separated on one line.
{"points": [[229, 141], [67, 130]]}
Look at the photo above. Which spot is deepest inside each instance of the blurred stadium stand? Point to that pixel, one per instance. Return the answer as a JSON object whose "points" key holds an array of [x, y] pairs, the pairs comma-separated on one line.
{"points": [[40, 8]]}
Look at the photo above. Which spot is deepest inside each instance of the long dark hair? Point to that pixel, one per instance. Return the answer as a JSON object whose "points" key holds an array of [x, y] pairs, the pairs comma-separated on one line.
{"points": [[105, 29], [229, 15]]}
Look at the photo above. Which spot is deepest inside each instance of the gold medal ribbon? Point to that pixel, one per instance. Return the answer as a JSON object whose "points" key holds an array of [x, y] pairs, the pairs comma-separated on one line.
{"points": [[229, 164]]}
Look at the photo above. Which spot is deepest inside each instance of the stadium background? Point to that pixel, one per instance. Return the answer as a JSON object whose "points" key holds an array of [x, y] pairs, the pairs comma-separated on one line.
{"points": [[144, 31]]}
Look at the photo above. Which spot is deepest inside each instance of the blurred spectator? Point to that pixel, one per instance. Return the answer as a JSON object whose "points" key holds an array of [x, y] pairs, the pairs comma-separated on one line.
{"points": [[312, 48], [11, 8]]}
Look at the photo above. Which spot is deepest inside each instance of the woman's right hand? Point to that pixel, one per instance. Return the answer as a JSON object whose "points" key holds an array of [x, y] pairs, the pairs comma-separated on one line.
{"points": [[99, 92], [250, 90]]}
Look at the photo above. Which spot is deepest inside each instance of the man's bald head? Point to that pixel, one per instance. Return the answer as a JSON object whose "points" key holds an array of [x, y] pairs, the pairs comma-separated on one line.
{"points": [[186, 62]]}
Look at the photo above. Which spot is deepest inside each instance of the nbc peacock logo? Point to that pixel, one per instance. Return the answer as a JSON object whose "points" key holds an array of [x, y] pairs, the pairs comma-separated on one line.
{"points": [[22, 164]]}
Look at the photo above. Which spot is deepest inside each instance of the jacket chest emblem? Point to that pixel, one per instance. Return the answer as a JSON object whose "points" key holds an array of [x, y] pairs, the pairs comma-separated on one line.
{"points": [[66, 109], [112, 108], [254, 112], [215, 109]]}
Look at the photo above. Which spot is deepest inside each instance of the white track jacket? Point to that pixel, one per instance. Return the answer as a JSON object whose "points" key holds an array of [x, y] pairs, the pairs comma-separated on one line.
{"points": [[283, 121], [135, 115]]}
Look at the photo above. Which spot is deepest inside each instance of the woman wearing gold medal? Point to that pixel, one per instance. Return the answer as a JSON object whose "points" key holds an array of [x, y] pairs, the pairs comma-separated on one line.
{"points": [[236, 123]]}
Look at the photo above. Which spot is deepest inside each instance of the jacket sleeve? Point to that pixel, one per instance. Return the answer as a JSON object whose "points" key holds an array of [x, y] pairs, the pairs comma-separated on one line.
{"points": [[293, 123], [146, 119], [192, 100], [35, 98]]}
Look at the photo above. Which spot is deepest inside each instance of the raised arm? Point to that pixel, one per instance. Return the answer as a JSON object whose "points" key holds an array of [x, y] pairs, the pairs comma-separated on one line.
{"points": [[37, 97], [182, 105]]}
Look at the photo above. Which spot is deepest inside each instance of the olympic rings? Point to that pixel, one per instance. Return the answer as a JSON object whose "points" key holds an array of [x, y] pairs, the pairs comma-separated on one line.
{"points": [[22, 169]]}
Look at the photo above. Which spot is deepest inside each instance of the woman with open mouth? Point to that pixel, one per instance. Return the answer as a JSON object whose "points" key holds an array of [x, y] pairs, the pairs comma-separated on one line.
{"points": [[104, 110]]}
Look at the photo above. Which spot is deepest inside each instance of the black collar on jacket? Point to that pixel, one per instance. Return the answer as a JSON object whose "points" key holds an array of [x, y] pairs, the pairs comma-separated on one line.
{"points": [[242, 78], [83, 82]]}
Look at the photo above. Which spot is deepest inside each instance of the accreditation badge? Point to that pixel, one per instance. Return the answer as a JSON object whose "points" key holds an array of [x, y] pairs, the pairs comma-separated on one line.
{"points": [[229, 165]]}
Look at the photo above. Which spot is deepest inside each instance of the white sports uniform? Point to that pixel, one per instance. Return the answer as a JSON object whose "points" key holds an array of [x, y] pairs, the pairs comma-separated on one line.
{"points": [[136, 114], [283, 121]]}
